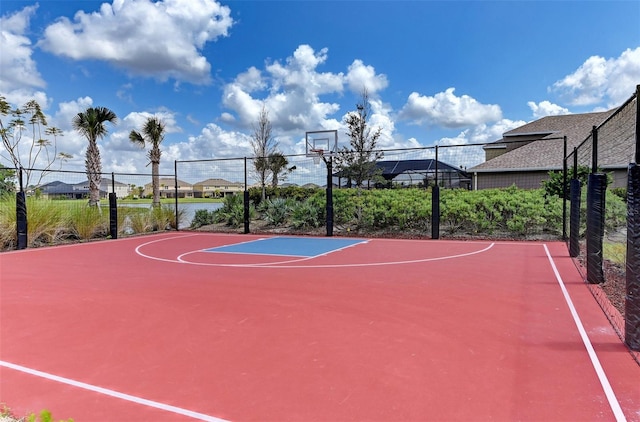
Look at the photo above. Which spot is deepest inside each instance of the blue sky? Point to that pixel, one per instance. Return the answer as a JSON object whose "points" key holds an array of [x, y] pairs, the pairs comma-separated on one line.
{"points": [[446, 72]]}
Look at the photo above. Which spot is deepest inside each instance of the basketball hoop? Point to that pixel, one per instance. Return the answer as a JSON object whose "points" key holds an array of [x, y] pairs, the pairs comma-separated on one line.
{"points": [[318, 153]]}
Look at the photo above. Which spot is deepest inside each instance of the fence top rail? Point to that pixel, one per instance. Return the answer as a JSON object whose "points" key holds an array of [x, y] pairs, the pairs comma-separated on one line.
{"points": [[390, 151], [102, 173], [618, 110], [614, 114], [582, 144]]}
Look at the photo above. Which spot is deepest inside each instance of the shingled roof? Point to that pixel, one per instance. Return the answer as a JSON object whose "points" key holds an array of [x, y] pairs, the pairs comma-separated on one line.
{"points": [[545, 149]]}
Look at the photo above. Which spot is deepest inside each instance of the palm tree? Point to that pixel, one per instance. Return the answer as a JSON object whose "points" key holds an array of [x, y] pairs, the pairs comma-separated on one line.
{"points": [[91, 125], [152, 133], [277, 164]]}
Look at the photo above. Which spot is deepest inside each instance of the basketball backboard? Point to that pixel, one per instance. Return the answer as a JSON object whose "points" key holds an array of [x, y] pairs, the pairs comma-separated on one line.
{"points": [[321, 143]]}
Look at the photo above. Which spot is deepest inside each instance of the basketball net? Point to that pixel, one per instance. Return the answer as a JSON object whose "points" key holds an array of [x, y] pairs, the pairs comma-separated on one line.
{"points": [[318, 155]]}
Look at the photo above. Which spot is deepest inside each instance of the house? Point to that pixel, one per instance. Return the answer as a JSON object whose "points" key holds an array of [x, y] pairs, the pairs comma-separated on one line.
{"points": [[525, 155], [215, 188], [167, 187], [416, 172], [62, 190]]}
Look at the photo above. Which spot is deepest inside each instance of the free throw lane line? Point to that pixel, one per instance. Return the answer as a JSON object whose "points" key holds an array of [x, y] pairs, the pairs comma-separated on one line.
{"points": [[112, 393], [604, 381]]}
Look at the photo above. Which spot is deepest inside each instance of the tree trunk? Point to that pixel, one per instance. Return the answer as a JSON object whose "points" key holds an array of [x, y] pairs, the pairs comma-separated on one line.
{"points": [[155, 182], [94, 170]]}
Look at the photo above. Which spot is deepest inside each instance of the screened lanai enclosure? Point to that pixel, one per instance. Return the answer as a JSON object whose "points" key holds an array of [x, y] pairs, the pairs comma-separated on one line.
{"points": [[412, 173]]}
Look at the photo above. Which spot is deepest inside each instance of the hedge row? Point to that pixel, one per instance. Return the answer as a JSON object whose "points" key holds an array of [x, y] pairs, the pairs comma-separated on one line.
{"points": [[491, 212]]}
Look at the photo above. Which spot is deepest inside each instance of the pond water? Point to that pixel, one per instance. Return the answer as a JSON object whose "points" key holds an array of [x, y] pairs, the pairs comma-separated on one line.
{"points": [[189, 209]]}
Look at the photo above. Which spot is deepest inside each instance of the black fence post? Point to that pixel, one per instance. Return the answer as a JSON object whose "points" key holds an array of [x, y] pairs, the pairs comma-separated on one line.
{"points": [[329, 162], [596, 189], [246, 200], [435, 203], [564, 189], [632, 299], [175, 177], [21, 215], [574, 218], [435, 212], [594, 150], [113, 210]]}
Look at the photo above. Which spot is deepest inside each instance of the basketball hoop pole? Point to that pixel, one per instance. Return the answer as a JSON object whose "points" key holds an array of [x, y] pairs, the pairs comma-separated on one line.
{"points": [[329, 190], [317, 143]]}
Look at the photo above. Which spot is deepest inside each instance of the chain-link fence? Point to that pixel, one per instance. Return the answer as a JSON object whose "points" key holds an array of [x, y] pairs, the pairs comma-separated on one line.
{"points": [[605, 211], [597, 170], [422, 192], [53, 207]]}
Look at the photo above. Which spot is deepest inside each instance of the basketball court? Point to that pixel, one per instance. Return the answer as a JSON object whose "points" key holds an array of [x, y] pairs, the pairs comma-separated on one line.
{"points": [[200, 326]]}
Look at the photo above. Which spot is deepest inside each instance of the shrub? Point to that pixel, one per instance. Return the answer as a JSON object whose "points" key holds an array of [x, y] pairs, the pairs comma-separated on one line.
{"points": [[296, 193], [202, 218], [141, 222], [164, 217], [277, 210], [615, 213], [84, 221], [307, 214], [232, 211], [46, 221], [620, 193]]}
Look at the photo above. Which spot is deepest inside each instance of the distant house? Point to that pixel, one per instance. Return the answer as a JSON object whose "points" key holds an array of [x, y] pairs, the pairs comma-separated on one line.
{"points": [[62, 190], [525, 155], [168, 188], [416, 172], [215, 188]]}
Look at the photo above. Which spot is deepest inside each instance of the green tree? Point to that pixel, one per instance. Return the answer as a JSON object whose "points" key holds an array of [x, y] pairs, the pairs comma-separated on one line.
{"points": [[358, 161], [152, 134], [7, 180], [553, 185], [27, 122], [91, 124], [277, 164]]}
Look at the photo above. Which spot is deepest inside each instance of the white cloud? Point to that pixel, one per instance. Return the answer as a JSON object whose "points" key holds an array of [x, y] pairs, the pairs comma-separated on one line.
{"points": [[118, 153], [457, 151], [119, 141], [292, 94], [251, 80], [213, 142], [20, 76], [623, 77], [161, 39], [448, 110], [361, 76], [600, 80], [546, 108]]}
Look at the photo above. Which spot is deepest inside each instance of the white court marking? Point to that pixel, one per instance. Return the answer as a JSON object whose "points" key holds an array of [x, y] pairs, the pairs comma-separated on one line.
{"points": [[604, 381], [288, 263], [112, 393]]}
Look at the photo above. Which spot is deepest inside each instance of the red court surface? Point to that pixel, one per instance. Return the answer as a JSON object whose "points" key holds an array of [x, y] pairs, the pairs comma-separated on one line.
{"points": [[155, 328]]}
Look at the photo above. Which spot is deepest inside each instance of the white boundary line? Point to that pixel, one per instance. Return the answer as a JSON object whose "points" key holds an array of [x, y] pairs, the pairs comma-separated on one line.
{"points": [[112, 393], [604, 381], [180, 259]]}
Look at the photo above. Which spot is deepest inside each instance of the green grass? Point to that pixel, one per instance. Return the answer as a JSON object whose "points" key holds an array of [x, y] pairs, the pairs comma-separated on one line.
{"points": [[54, 221], [6, 415], [85, 222], [615, 252]]}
